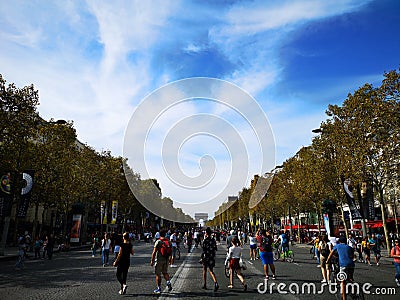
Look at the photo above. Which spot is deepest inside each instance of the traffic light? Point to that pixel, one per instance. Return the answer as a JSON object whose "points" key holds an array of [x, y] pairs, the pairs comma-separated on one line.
{"points": [[328, 206]]}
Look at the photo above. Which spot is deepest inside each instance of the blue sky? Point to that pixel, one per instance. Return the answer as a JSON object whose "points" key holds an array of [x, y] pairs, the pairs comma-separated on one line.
{"points": [[93, 62]]}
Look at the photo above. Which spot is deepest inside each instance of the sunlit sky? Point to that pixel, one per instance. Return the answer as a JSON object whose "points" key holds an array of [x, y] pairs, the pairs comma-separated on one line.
{"points": [[93, 62]]}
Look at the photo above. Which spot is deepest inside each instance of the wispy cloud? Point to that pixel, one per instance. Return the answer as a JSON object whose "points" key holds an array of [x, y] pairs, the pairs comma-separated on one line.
{"points": [[95, 61]]}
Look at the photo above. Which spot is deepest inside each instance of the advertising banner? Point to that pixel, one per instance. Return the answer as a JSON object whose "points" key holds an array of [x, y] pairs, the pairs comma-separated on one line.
{"points": [[26, 192], [114, 212], [5, 195], [355, 214], [103, 215], [367, 194], [327, 226], [76, 228]]}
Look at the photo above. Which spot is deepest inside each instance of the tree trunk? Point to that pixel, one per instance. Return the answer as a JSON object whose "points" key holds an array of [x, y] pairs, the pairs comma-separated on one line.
{"points": [[35, 222], [298, 228], [43, 219]]}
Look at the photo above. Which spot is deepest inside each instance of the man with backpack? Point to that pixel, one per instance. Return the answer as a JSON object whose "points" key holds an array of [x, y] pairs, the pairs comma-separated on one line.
{"points": [[265, 241], [159, 259]]}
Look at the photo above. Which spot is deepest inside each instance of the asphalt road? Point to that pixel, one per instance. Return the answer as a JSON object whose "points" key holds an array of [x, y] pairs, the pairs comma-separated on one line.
{"points": [[76, 275]]}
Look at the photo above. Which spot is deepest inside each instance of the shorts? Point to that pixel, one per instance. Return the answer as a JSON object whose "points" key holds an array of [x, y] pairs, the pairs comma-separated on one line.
{"points": [[253, 246], [161, 267], [349, 272], [377, 253], [234, 263], [267, 258], [322, 260]]}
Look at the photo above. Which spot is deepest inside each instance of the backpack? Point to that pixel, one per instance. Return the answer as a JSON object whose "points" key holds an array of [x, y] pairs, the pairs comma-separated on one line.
{"points": [[266, 244], [284, 239], [165, 249], [324, 250]]}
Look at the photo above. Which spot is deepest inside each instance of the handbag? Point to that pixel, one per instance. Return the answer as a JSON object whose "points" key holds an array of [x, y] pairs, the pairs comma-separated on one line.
{"points": [[242, 264]]}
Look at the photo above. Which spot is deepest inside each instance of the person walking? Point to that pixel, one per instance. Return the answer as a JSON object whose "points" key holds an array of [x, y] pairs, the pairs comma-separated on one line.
{"points": [[95, 242], [189, 241], [395, 253], [208, 259], [159, 259], [253, 246], [323, 249], [265, 241], [105, 248], [375, 247], [37, 246], [234, 255], [346, 263], [122, 262], [20, 264], [366, 248], [173, 239], [50, 245]]}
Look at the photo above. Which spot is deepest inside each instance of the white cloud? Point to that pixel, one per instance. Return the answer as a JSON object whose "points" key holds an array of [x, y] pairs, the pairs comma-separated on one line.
{"points": [[94, 62]]}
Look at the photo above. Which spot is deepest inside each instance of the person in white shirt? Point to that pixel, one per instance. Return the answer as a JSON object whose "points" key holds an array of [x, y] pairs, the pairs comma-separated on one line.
{"points": [[105, 248], [234, 255], [174, 245], [253, 246]]}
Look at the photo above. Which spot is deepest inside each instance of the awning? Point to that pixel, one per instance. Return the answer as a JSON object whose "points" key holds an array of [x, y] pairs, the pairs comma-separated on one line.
{"points": [[369, 224]]}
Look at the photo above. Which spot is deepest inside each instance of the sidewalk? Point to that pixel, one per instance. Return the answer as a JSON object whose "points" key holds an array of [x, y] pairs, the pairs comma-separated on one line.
{"points": [[384, 251], [11, 253]]}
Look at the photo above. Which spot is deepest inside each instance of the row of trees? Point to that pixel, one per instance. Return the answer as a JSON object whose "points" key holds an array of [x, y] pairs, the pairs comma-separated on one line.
{"points": [[360, 140], [67, 173]]}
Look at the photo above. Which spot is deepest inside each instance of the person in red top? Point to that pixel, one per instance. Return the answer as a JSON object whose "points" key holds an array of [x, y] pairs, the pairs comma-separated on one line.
{"points": [[395, 253], [265, 241]]}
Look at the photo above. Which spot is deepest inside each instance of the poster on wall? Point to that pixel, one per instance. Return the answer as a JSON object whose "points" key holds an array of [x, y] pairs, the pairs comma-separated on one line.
{"points": [[76, 228]]}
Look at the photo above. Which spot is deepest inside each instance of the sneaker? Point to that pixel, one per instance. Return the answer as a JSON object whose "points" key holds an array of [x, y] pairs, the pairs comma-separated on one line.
{"points": [[377, 264], [157, 291], [169, 285], [266, 277], [173, 266], [323, 280], [204, 287], [397, 282], [216, 287], [273, 276], [124, 287], [245, 288], [120, 292], [230, 286]]}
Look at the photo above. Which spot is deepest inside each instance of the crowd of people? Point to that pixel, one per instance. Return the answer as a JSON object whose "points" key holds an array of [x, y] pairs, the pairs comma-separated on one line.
{"points": [[343, 252]]}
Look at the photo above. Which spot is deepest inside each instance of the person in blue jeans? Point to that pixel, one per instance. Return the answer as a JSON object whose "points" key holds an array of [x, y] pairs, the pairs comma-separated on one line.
{"points": [[105, 247]]}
